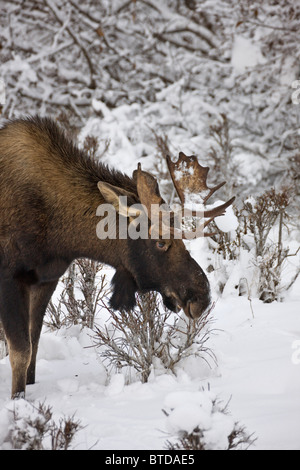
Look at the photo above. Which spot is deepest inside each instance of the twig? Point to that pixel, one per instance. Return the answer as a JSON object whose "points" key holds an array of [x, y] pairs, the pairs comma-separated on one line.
{"points": [[263, 25], [56, 13], [294, 279]]}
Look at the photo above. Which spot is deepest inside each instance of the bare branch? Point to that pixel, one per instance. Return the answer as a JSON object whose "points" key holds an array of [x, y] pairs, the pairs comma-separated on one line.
{"points": [[56, 13]]}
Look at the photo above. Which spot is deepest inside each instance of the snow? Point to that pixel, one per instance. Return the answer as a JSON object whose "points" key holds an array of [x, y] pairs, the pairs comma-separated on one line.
{"points": [[245, 54], [227, 222], [257, 372]]}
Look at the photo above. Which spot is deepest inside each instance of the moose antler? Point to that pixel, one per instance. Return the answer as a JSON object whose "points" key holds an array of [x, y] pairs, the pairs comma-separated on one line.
{"points": [[147, 188], [189, 179], [149, 195]]}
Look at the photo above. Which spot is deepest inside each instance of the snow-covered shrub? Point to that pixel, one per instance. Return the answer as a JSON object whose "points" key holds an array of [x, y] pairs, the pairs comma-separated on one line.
{"points": [[151, 337], [34, 428], [263, 219], [199, 421], [83, 286], [256, 257], [224, 167]]}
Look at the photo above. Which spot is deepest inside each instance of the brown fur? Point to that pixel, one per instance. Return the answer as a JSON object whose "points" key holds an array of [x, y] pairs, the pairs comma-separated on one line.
{"points": [[49, 197]]}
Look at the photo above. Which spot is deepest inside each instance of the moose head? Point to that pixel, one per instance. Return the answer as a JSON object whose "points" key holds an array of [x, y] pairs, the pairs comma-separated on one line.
{"points": [[159, 260]]}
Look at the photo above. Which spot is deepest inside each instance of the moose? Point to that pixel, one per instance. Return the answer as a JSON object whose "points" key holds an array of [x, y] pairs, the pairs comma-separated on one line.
{"points": [[50, 190]]}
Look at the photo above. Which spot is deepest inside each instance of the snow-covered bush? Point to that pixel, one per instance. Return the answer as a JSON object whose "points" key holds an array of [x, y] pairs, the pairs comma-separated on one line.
{"points": [[265, 214], [256, 255], [83, 286], [34, 428], [200, 422], [147, 337], [150, 337]]}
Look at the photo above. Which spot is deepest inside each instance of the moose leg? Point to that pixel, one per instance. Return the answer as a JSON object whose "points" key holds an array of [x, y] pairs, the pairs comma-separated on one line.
{"points": [[39, 298], [14, 306]]}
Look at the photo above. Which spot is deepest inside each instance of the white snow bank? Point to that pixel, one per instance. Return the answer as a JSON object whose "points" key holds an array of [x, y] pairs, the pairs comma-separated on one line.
{"points": [[255, 373]]}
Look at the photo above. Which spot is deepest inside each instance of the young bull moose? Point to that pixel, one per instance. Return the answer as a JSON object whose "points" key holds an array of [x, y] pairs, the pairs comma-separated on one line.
{"points": [[49, 194]]}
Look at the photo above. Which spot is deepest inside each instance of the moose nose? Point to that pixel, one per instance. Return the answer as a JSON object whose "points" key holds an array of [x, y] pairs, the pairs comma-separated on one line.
{"points": [[195, 308]]}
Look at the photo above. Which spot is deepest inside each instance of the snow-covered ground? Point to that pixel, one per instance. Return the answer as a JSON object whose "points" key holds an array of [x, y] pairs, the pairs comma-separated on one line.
{"points": [[257, 372]]}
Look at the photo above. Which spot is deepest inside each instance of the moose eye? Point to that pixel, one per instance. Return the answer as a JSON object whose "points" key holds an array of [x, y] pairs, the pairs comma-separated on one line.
{"points": [[161, 246]]}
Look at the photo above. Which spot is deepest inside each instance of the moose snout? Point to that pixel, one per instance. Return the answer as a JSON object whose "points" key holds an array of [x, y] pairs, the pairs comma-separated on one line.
{"points": [[193, 305], [196, 307], [197, 300]]}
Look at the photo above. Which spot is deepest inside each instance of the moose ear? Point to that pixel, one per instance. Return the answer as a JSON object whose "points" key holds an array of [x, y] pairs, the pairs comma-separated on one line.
{"points": [[116, 196]]}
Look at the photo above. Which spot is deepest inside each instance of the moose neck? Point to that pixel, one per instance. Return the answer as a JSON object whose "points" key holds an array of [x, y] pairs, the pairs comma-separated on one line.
{"points": [[77, 237]]}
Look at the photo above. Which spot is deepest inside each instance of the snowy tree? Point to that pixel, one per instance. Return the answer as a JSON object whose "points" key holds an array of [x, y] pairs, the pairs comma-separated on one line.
{"points": [[198, 60]]}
